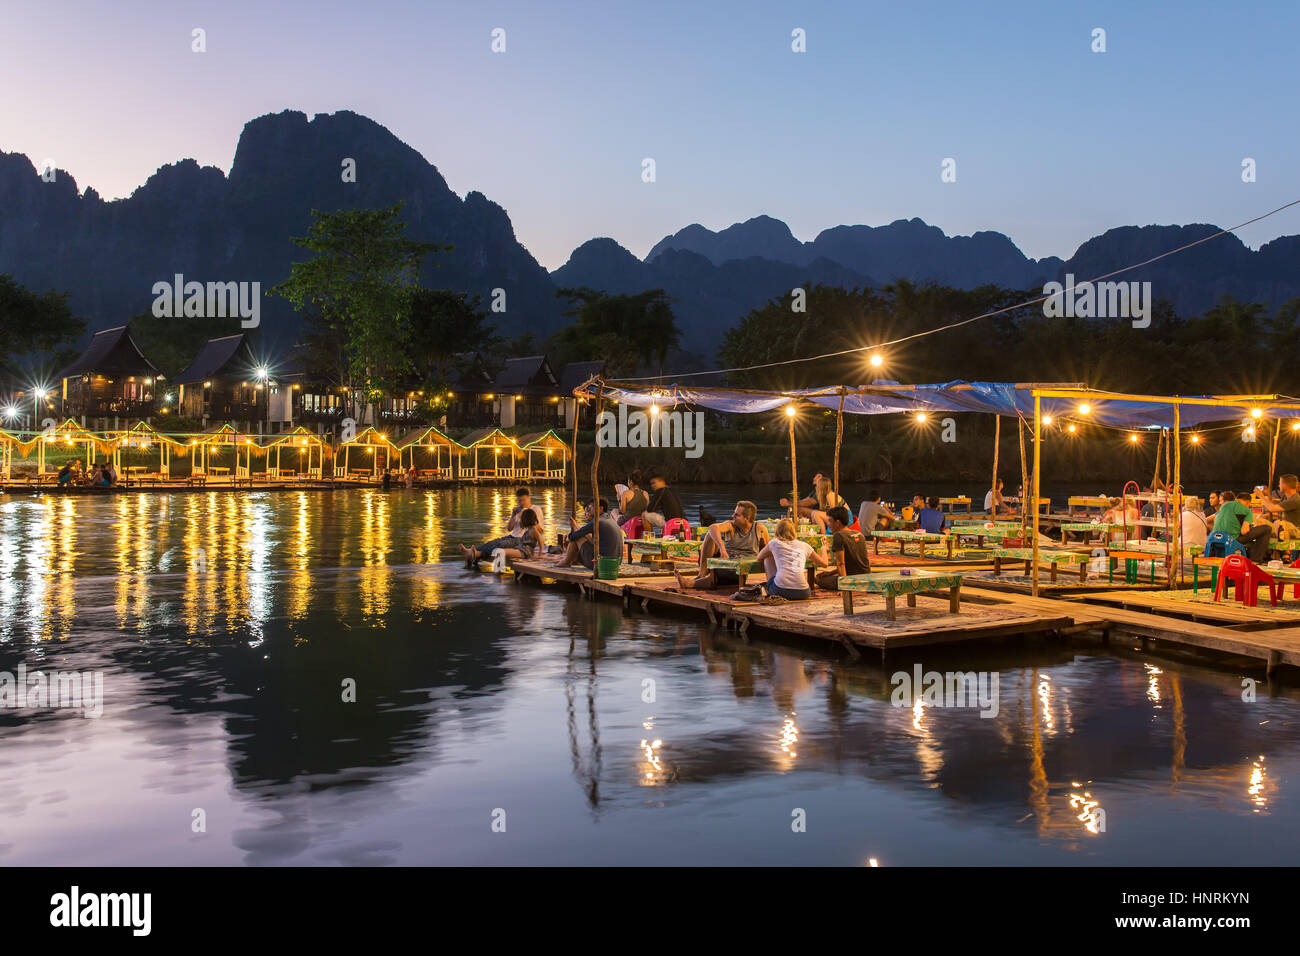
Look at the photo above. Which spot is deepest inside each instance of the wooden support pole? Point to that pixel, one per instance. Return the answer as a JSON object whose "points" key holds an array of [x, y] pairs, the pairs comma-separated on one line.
{"points": [[1024, 477], [573, 456], [595, 489], [997, 438], [1178, 492], [794, 473], [1272, 458], [1038, 426], [839, 439]]}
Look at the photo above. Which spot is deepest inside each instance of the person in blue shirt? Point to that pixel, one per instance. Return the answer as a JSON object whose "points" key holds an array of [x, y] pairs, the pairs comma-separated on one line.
{"points": [[930, 519]]}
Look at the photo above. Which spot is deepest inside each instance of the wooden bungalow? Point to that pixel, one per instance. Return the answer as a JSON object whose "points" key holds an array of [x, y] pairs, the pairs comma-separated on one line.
{"points": [[111, 379], [422, 449], [306, 452], [529, 392], [368, 449], [225, 383], [547, 453], [573, 375], [474, 402], [490, 453]]}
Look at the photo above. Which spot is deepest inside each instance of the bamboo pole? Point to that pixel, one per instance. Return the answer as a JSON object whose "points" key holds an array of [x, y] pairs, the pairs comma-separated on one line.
{"points": [[1038, 424], [573, 455], [1155, 475], [794, 473], [595, 489], [839, 438], [1178, 495], [997, 438], [1272, 458], [1024, 478]]}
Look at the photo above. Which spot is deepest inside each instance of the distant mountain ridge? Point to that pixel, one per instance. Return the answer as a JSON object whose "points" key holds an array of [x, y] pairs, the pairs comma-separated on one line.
{"points": [[207, 225]]}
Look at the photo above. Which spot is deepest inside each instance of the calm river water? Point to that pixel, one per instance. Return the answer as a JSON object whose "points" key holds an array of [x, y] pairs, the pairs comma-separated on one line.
{"points": [[225, 626]]}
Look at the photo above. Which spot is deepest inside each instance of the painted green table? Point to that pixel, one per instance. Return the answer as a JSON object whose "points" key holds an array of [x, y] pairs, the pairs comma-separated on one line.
{"points": [[1052, 558], [893, 583], [747, 566], [921, 538], [1087, 528], [1131, 552], [668, 547]]}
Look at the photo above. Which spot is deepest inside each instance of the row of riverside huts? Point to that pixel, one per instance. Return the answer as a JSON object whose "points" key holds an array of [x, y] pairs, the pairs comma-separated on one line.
{"points": [[114, 381]]}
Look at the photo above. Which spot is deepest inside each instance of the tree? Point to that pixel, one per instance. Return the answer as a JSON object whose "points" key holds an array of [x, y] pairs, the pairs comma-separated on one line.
{"points": [[356, 294], [32, 322], [627, 331]]}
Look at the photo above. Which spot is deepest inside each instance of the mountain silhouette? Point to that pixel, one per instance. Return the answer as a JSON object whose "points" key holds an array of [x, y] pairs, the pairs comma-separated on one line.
{"points": [[209, 226], [195, 220]]}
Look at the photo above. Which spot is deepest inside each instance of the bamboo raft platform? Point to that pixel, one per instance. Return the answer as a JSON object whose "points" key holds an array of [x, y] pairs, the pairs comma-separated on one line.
{"points": [[1264, 634]]}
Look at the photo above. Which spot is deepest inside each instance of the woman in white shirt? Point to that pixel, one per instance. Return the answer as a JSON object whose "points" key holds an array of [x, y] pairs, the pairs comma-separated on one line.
{"points": [[1194, 526], [785, 559]]}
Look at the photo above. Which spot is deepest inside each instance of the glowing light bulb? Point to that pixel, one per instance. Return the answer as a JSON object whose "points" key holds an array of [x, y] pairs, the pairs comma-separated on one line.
{"points": [[876, 360], [1085, 409]]}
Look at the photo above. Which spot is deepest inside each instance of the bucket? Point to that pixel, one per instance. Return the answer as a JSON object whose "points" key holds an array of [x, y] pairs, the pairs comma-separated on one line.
{"points": [[607, 568]]}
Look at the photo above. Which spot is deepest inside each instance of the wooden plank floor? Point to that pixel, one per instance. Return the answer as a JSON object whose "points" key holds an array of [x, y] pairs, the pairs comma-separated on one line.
{"points": [[985, 613]]}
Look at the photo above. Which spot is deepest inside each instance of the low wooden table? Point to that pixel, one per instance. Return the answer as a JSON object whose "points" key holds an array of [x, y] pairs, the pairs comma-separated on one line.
{"points": [[747, 566], [1085, 502], [1086, 528], [906, 582], [951, 504], [1045, 556], [669, 547], [921, 538]]}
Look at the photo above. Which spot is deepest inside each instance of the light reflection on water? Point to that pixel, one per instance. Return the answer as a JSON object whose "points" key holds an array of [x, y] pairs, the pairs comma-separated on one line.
{"points": [[227, 623]]}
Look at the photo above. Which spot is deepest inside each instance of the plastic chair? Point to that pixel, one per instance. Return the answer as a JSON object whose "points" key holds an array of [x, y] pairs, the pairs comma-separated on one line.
{"points": [[1295, 591], [1247, 577], [632, 527], [673, 525], [1221, 545]]}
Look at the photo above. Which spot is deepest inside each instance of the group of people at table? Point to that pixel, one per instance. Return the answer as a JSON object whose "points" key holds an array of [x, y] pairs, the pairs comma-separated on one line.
{"points": [[786, 558]]}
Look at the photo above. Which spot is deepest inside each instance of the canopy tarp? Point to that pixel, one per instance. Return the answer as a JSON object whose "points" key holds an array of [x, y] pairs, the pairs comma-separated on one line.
{"points": [[1065, 401]]}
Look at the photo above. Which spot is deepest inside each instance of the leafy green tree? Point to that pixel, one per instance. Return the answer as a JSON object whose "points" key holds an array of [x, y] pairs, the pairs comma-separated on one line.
{"points": [[630, 332], [356, 293], [31, 321]]}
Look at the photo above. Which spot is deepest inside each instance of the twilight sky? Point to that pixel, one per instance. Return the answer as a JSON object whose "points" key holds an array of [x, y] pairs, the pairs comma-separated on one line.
{"points": [[1053, 143]]}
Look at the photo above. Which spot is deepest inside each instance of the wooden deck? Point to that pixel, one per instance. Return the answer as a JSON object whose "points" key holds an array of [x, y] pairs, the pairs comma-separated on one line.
{"points": [[1266, 634]]}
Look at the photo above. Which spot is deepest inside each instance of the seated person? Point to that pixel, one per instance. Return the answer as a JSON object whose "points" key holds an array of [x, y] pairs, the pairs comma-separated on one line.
{"points": [[1215, 502], [874, 514], [632, 499], [994, 503], [65, 475], [741, 537], [785, 559], [664, 505], [1195, 528], [849, 549], [821, 501], [523, 502], [1234, 519], [930, 519], [522, 545], [1285, 509], [579, 549]]}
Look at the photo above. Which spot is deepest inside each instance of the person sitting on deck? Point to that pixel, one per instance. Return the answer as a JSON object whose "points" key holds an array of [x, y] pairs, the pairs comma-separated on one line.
{"points": [[664, 505], [874, 514], [65, 475], [1215, 503], [1195, 528], [741, 537], [931, 519], [521, 545], [523, 502], [409, 478], [579, 549], [1285, 509], [1234, 519], [822, 500], [849, 549], [785, 559], [994, 503], [633, 500]]}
